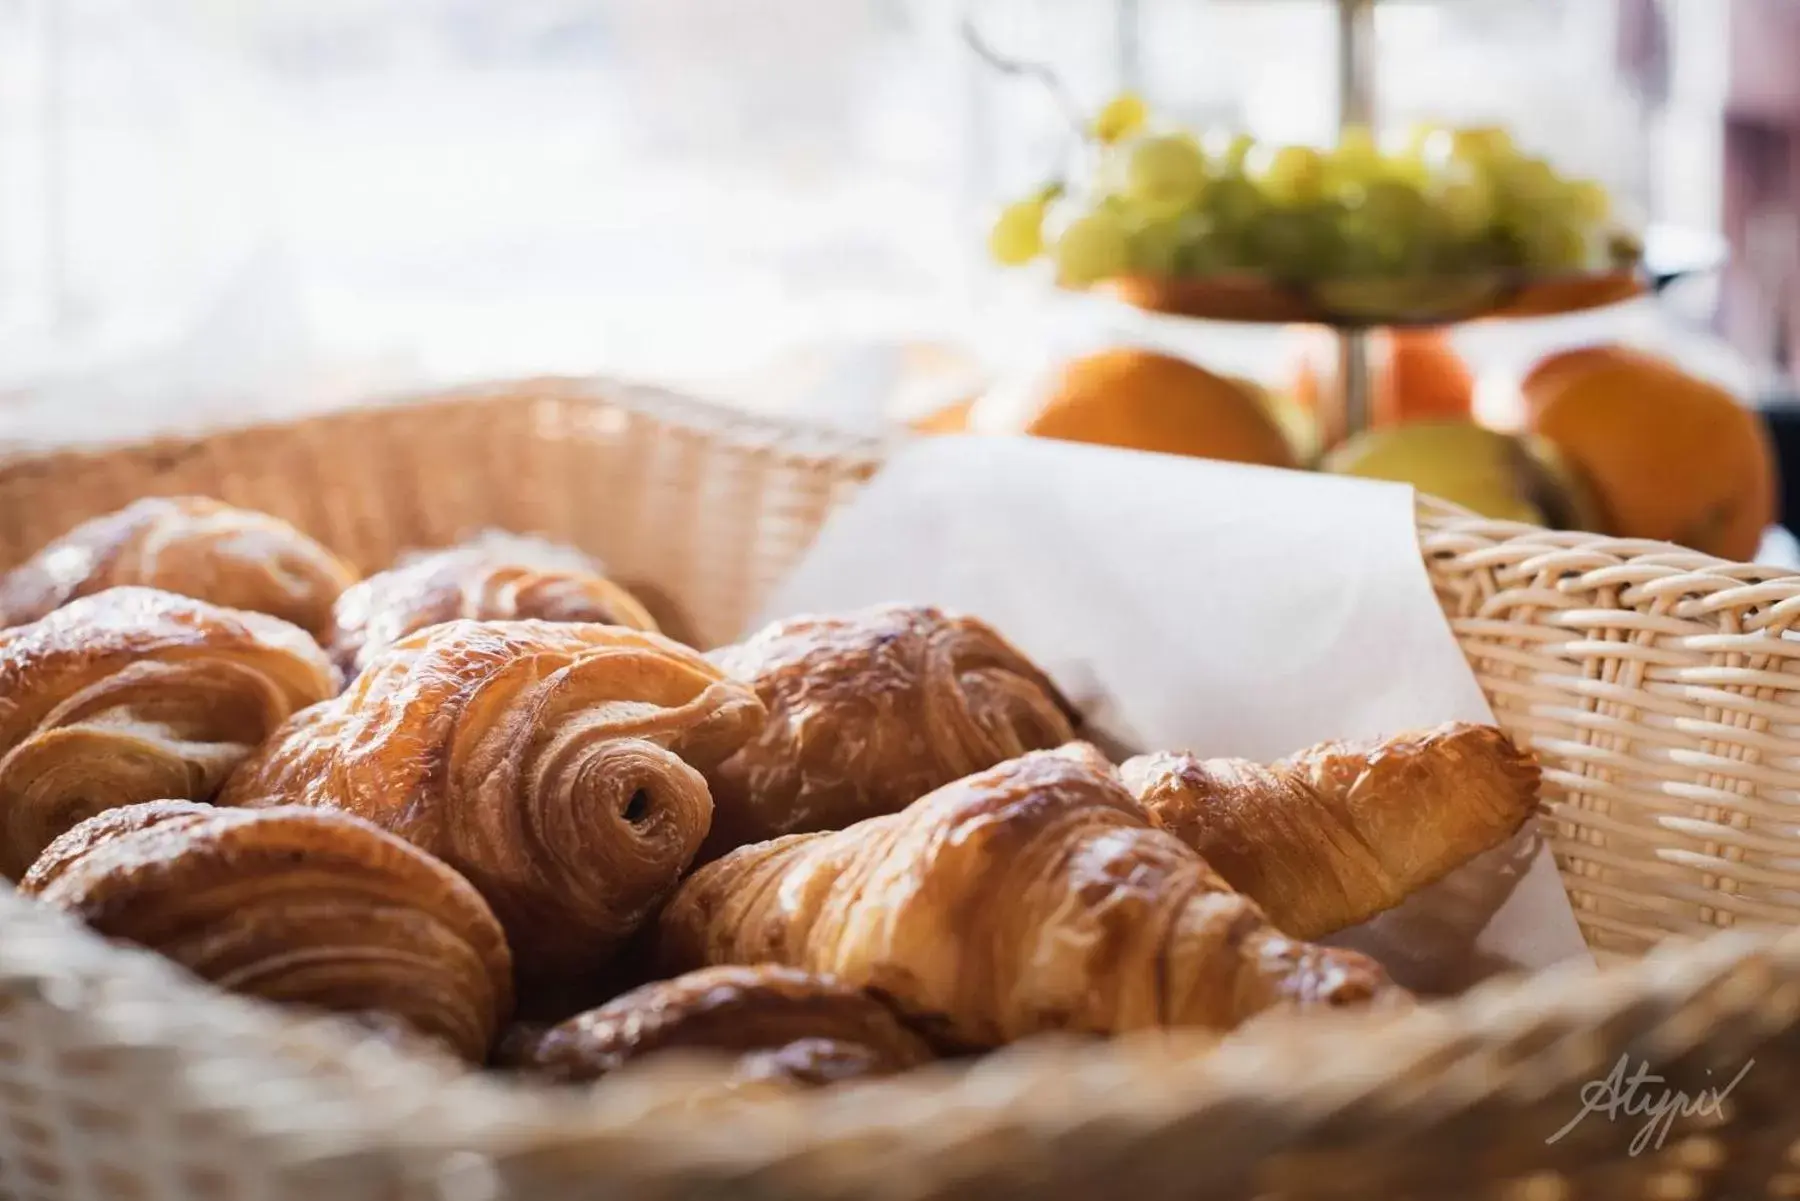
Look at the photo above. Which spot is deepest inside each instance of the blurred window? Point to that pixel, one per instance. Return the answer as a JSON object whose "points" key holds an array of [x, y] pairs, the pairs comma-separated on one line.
{"points": [[665, 186]]}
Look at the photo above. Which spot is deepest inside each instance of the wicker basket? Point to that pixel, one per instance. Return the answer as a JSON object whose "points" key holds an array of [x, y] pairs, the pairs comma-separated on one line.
{"points": [[1656, 684]]}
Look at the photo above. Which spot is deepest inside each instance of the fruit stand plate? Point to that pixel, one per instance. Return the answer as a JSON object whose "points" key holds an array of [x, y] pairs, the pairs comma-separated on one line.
{"points": [[1370, 303]]}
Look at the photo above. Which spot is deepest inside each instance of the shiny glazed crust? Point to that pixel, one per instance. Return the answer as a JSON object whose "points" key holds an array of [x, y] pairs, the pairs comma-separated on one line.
{"points": [[189, 545], [1330, 837], [868, 711], [557, 766], [1030, 898], [137, 695], [494, 579], [295, 905], [778, 1023]]}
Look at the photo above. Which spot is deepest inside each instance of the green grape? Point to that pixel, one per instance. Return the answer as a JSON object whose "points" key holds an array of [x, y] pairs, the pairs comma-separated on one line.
{"points": [[1018, 233], [1093, 247], [1164, 246], [1547, 243], [1485, 146], [1120, 118], [1295, 243], [1233, 203], [1589, 202], [1382, 229], [1436, 155], [1528, 183], [1419, 136], [1406, 167], [1357, 142], [1623, 248], [1292, 176], [1467, 206], [1210, 250], [1229, 151], [1354, 162], [1166, 174]]}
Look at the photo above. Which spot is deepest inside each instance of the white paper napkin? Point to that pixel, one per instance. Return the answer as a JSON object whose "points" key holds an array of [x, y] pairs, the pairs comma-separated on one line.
{"points": [[1206, 607]]}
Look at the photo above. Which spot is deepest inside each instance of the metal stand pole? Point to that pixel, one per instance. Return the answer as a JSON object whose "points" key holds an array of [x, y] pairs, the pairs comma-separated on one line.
{"points": [[1356, 106], [1356, 382], [1356, 63]]}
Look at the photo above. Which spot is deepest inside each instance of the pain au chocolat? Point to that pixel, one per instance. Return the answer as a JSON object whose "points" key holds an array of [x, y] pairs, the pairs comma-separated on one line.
{"points": [[304, 906]]}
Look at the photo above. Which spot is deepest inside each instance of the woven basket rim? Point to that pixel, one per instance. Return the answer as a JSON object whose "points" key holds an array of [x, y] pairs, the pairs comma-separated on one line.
{"points": [[775, 435], [373, 1100], [339, 1097]]}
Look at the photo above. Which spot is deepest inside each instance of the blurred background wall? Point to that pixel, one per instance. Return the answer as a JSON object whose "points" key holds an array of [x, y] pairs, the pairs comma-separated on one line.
{"points": [[671, 187]]}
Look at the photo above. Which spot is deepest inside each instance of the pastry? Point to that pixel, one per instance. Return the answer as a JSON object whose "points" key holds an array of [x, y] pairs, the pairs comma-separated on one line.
{"points": [[1031, 898], [557, 766], [188, 545], [496, 578], [777, 1023], [137, 695], [868, 711], [295, 905], [1334, 835]]}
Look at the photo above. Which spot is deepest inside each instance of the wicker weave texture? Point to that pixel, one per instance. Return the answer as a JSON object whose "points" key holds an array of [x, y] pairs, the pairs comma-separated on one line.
{"points": [[1655, 684]]}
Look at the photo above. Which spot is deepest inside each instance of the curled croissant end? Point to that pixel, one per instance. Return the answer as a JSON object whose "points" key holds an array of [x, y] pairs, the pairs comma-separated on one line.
{"points": [[1338, 833], [496, 578], [137, 695], [1032, 898], [781, 1025], [557, 767], [869, 711], [189, 545], [293, 905]]}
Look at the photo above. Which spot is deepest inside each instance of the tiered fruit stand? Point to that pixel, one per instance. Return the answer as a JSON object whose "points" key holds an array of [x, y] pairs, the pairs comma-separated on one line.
{"points": [[1355, 309]]}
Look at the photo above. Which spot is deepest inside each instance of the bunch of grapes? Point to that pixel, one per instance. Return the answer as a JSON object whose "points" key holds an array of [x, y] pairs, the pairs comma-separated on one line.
{"points": [[1447, 202]]}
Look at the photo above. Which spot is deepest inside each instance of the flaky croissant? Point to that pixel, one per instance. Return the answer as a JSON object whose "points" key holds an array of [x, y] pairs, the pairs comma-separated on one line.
{"points": [[1340, 832], [779, 1023], [868, 711], [497, 578], [1033, 897], [137, 695], [296, 905], [555, 766], [188, 545]]}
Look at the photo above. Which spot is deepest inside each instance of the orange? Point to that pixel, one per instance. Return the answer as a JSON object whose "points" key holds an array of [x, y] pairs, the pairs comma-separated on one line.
{"points": [[1423, 378], [1142, 400], [1668, 456], [951, 419], [1418, 376]]}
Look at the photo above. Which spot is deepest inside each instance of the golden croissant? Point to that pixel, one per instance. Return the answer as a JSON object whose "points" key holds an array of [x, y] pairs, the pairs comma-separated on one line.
{"points": [[778, 1023], [1344, 830], [294, 905], [868, 711], [189, 545], [556, 766], [493, 579], [137, 695], [1033, 897]]}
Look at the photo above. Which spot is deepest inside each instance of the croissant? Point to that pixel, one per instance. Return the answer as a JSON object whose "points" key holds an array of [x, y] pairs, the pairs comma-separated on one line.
{"points": [[188, 545], [294, 905], [137, 695], [869, 711], [498, 578], [555, 766], [1344, 830], [782, 1024], [1034, 897]]}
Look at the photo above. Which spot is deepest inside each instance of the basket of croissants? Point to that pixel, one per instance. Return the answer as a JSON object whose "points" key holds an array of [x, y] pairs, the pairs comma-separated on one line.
{"points": [[394, 805]]}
